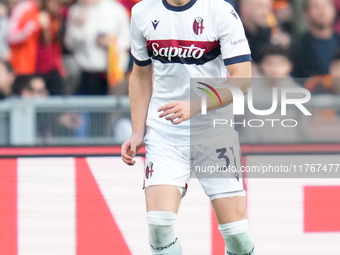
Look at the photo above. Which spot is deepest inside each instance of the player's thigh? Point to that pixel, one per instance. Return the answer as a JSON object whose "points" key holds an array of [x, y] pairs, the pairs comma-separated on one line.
{"points": [[223, 183], [162, 198], [230, 209]]}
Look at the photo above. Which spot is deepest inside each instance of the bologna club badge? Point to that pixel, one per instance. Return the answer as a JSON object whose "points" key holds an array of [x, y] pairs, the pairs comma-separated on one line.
{"points": [[198, 26], [149, 170]]}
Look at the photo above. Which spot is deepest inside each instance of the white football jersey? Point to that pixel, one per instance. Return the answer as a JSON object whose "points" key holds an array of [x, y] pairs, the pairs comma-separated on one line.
{"points": [[196, 40]]}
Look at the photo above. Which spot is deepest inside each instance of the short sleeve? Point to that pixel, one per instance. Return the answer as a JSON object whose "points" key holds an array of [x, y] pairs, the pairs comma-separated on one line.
{"points": [[138, 44], [233, 42]]}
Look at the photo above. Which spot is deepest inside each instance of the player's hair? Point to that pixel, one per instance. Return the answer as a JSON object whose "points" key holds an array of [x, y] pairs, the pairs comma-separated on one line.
{"points": [[7, 65], [270, 50]]}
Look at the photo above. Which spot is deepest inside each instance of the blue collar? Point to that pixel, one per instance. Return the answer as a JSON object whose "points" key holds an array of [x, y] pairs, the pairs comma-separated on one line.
{"points": [[179, 8]]}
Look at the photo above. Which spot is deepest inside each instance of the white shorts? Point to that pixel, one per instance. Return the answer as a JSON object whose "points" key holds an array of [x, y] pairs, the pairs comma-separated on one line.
{"points": [[216, 166]]}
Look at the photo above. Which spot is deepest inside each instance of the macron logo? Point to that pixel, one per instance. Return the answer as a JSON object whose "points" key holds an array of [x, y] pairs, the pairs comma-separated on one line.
{"points": [[155, 24], [233, 12]]}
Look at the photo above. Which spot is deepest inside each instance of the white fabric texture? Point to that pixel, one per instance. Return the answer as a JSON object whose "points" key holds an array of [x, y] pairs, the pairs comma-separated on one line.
{"points": [[162, 238], [237, 238], [167, 38], [240, 193]]}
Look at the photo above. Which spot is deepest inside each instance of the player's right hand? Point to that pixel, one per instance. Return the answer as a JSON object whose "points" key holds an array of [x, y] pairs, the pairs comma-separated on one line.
{"points": [[130, 149]]}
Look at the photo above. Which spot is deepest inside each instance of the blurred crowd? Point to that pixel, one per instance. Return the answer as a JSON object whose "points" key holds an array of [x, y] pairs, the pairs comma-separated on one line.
{"points": [[64, 47], [296, 38], [81, 47], [73, 47]]}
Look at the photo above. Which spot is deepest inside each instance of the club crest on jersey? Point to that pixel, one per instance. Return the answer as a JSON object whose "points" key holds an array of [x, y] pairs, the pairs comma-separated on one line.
{"points": [[149, 170], [198, 26]]}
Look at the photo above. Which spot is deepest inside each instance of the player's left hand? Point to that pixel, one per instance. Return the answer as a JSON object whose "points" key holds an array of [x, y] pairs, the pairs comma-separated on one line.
{"points": [[176, 112]]}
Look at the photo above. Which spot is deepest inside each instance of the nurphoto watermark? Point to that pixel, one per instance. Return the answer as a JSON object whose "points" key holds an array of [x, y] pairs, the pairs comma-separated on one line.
{"points": [[288, 96], [257, 112]]}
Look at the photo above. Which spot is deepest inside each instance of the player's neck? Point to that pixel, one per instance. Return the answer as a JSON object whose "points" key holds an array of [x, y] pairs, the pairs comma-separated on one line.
{"points": [[178, 2]]}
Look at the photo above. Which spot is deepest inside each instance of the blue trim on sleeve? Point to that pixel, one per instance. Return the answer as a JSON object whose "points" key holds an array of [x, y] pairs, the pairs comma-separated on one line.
{"points": [[141, 63], [179, 8], [238, 59]]}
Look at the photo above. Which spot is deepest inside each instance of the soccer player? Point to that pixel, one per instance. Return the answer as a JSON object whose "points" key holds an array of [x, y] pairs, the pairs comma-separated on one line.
{"points": [[172, 41]]}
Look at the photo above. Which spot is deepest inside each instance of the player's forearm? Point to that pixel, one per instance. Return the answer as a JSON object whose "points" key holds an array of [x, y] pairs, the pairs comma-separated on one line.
{"points": [[240, 78], [226, 96], [140, 90]]}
